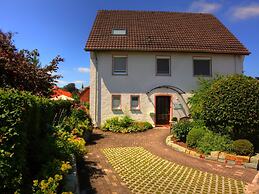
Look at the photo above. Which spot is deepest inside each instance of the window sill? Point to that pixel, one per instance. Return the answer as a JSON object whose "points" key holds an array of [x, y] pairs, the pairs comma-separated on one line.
{"points": [[202, 75], [123, 74], [167, 75]]}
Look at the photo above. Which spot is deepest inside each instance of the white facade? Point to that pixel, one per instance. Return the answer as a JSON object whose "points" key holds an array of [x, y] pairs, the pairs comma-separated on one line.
{"points": [[142, 77]]}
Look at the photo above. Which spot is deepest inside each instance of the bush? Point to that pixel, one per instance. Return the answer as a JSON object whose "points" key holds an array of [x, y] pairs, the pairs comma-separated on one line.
{"points": [[182, 128], [243, 147], [125, 125], [230, 105], [195, 135], [214, 142], [26, 142]]}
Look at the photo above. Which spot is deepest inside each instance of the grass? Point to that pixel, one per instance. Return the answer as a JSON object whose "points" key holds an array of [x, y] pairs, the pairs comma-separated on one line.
{"points": [[146, 173]]}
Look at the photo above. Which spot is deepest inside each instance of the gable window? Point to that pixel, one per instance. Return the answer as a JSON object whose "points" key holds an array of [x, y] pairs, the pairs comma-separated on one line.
{"points": [[116, 102], [119, 32], [202, 66], [134, 102], [163, 65], [119, 66]]}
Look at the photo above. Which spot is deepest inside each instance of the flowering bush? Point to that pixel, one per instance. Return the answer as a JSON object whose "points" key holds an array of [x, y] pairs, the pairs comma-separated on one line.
{"points": [[51, 184]]}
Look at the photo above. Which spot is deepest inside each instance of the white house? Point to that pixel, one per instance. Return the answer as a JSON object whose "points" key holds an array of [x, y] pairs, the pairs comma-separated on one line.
{"points": [[145, 64]]}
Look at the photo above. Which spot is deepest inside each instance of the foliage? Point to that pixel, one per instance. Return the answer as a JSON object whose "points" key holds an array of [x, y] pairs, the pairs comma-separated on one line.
{"points": [[71, 87], [198, 99], [230, 105], [195, 135], [211, 141], [243, 147], [87, 105], [51, 184], [125, 125], [20, 69], [182, 128], [69, 144]]}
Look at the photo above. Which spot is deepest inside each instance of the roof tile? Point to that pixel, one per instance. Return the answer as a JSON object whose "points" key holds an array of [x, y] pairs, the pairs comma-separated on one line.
{"points": [[162, 31]]}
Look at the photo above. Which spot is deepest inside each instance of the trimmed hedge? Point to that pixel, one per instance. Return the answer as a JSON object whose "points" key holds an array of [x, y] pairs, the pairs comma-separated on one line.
{"points": [[229, 105], [243, 147], [25, 143], [125, 125]]}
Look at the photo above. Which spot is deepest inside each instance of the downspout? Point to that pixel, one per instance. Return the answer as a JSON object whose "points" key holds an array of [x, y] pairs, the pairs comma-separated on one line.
{"points": [[235, 59], [96, 90]]}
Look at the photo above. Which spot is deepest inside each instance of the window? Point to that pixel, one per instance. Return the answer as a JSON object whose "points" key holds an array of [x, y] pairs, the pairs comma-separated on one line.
{"points": [[116, 102], [119, 32], [163, 65], [134, 103], [119, 66], [202, 66]]}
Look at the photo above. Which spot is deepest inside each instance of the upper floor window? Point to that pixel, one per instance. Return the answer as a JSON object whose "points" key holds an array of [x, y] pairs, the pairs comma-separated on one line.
{"points": [[202, 66], [134, 102], [119, 66], [163, 65], [119, 32]]}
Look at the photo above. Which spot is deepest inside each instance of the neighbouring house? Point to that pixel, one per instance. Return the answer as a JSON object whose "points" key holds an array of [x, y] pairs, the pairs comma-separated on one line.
{"points": [[145, 64], [60, 94], [84, 95]]}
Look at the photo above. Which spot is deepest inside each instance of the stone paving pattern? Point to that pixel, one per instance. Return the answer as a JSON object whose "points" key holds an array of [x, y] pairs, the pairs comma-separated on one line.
{"points": [[145, 173], [98, 176]]}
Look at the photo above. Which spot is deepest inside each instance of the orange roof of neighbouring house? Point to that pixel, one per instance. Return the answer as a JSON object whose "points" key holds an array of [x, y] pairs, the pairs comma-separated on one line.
{"points": [[59, 92], [162, 31], [85, 94]]}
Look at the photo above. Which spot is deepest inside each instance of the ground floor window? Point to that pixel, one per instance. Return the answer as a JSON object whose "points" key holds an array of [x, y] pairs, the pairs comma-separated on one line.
{"points": [[116, 102], [134, 102]]}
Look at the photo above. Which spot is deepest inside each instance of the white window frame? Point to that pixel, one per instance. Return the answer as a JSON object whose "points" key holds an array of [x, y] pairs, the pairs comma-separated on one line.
{"points": [[163, 57], [113, 70], [115, 95], [135, 108], [202, 58]]}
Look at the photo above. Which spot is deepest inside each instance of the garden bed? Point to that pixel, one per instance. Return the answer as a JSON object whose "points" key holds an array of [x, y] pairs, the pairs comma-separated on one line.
{"points": [[246, 161]]}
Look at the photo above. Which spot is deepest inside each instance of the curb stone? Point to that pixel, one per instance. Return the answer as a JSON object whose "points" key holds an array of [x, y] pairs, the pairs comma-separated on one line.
{"points": [[222, 157]]}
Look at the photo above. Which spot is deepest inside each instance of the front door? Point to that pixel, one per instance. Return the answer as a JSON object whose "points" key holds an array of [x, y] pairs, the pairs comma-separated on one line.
{"points": [[163, 110]]}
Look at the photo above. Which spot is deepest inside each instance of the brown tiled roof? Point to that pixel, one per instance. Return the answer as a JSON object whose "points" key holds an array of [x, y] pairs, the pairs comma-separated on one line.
{"points": [[162, 31]]}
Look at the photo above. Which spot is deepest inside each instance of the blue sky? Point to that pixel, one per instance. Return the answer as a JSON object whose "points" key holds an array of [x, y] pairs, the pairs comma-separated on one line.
{"points": [[62, 27]]}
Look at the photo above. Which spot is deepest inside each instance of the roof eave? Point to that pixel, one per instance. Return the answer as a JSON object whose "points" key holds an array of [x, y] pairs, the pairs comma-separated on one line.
{"points": [[88, 49]]}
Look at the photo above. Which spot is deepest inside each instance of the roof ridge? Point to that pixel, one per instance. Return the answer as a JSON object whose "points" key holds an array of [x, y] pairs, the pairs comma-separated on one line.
{"points": [[154, 11]]}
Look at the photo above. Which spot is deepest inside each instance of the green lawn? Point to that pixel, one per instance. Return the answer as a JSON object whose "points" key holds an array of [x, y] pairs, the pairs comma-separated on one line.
{"points": [[147, 173]]}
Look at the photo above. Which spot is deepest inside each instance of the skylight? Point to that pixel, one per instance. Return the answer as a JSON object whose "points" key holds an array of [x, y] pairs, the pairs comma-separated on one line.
{"points": [[119, 31]]}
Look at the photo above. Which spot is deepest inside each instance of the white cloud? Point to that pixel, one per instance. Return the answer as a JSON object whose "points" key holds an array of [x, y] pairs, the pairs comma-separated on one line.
{"points": [[204, 7], [62, 82], [246, 12], [78, 81], [83, 69]]}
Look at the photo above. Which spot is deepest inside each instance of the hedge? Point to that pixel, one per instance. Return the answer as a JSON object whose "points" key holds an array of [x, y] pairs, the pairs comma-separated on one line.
{"points": [[229, 105], [25, 125]]}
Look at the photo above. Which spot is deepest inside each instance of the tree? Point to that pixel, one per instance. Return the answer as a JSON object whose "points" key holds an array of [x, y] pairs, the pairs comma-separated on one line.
{"points": [[22, 70], [71, 87]]}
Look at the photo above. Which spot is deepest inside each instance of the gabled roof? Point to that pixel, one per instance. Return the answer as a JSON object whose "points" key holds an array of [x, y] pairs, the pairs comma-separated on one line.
{"points": [[59, 92], [162, 31]]}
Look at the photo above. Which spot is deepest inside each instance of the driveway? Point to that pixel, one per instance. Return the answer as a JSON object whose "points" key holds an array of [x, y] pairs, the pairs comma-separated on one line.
{"points": [[98, 175]]}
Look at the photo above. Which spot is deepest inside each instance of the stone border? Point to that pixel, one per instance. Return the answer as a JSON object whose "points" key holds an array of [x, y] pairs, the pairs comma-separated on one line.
{"points": [[246, 161], [71, 180]]}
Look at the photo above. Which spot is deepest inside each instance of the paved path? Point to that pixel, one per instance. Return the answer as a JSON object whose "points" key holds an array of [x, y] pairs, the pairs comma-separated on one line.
{"points": [[103, 179]]}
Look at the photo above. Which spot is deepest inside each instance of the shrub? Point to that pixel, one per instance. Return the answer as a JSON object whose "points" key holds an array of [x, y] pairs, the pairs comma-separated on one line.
{"points": [[195, 135], [125, 125], [243, 147], [214, 142], [182, 128], [231, 106], [26, 143]]}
